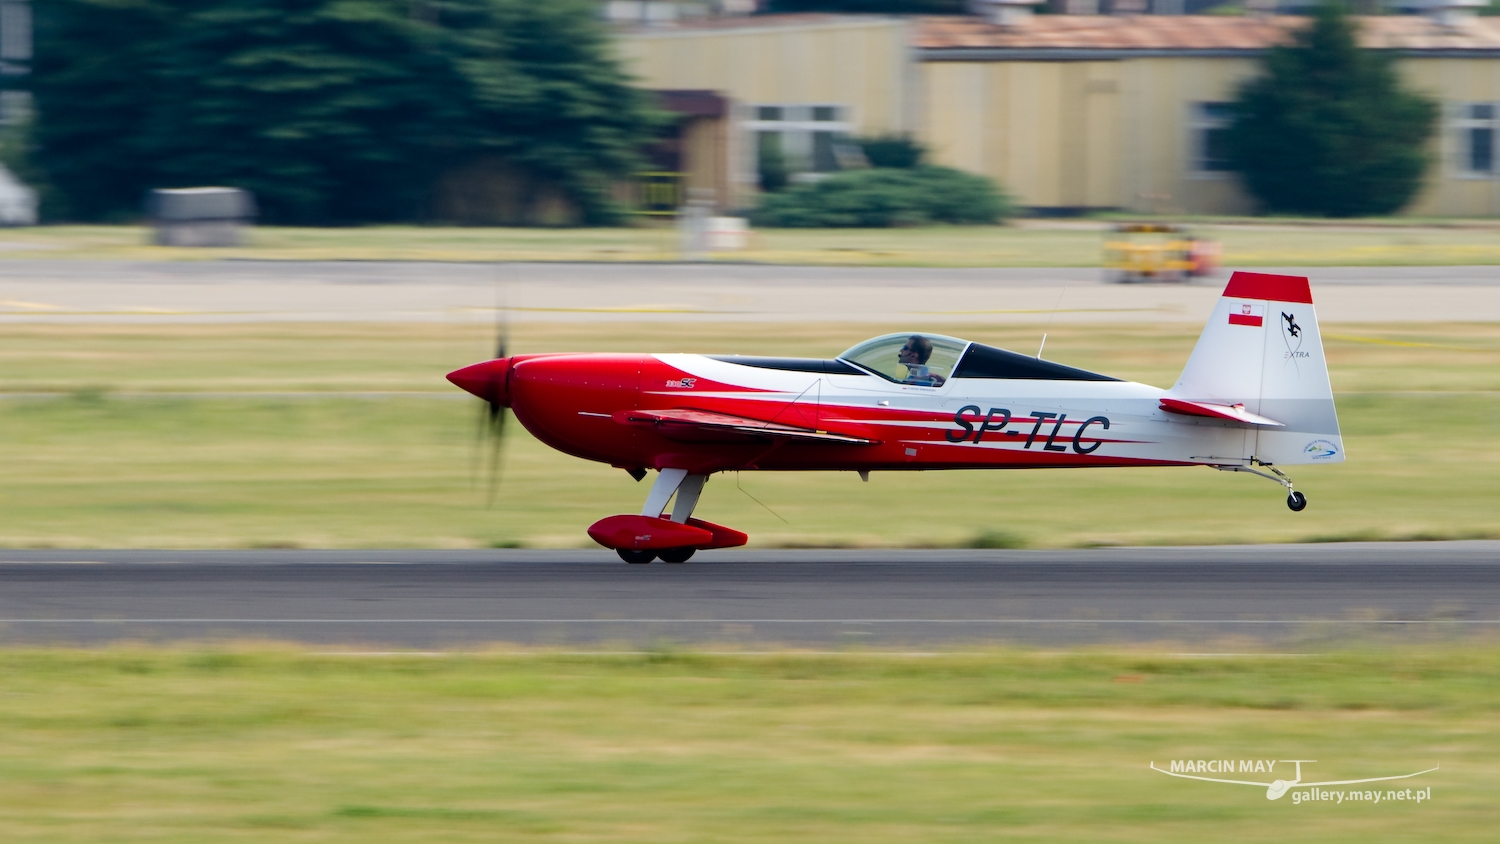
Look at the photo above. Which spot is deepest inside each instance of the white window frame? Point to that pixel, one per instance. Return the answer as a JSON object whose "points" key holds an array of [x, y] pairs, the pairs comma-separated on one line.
{"points": [[1460, 124], [797, 128], [1199, 123]]}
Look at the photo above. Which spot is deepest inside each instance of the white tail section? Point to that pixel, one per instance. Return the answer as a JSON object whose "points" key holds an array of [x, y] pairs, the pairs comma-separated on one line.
{"points": [[1261, 348]]}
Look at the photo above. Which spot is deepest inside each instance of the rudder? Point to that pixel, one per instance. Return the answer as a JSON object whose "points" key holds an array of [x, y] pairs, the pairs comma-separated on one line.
{"points": [[1261, 348]]}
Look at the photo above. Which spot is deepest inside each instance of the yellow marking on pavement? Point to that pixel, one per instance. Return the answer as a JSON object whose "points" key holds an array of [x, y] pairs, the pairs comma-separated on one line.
{"points": [[1405, 343], [1050, 311], [617, 309], [29, 306]]}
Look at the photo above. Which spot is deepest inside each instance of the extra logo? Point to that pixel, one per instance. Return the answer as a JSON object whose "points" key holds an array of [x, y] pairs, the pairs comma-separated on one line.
{"points": [[685, 383], [1320, 449], [1302, 792], [1291, 334]]}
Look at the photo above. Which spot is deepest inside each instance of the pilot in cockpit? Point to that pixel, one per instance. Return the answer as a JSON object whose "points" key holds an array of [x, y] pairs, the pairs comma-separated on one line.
{"points": [[913, 356]]}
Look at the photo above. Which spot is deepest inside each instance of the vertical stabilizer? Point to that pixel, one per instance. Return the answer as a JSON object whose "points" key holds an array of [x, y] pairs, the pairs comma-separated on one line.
{"points": [[1261, 348]]}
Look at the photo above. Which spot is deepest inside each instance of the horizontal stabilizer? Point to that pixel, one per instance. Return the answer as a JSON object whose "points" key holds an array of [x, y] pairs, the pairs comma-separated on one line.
{"points": [[1231, 412], [702, 425]]}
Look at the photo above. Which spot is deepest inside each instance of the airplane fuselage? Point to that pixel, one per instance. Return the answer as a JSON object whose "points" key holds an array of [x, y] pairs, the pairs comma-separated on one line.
{"points": [[573, 402]]}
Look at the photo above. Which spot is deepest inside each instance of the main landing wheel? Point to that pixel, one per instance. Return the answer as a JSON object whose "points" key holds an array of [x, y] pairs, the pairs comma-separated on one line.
{"points": [[637, 557], [676, 555], [1296, 501]]}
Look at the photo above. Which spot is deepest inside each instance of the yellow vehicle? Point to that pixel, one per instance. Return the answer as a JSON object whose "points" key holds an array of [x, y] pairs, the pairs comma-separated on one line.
{"points": [[1157, 252]]}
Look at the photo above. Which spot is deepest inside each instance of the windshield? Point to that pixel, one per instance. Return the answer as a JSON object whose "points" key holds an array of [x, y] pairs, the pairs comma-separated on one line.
{"points": [[925, 360]]}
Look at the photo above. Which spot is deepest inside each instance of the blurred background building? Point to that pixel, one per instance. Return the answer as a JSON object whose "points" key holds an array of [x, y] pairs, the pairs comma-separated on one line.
{"points": [[1070, 112], [18, 203]]}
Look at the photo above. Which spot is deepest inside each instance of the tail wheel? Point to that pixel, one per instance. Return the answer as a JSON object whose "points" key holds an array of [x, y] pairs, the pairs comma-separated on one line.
{"points": [[676, 555], [635, 557], [1296, 501]]}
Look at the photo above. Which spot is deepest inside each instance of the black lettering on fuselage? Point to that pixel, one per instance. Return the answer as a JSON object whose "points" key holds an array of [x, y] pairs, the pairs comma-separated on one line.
{"points": [[1078, 435], [990, 424], [972, 427], [1040, 417], [1057, 426], [968, 427]]}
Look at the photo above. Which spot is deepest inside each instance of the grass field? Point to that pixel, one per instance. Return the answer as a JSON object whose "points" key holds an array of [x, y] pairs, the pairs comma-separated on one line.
{"points": [[1028, 244], [265, 744], [127, 456]]}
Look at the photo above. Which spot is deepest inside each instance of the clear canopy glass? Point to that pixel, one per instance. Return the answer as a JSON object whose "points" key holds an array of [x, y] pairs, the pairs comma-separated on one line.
{"points": [[917, 358]]}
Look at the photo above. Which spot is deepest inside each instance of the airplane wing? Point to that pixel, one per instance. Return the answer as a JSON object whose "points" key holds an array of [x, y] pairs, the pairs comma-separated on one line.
{"points": [[1232, 412], [1371, 779], [1209, 779], [689, 425]]}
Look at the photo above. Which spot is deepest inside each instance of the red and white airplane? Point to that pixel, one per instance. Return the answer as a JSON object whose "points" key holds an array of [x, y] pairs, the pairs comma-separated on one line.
{"points": [[1254, 397]]}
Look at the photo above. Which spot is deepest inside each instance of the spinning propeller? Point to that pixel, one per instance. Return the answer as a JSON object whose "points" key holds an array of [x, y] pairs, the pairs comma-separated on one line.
{"points": [[489, 380]]}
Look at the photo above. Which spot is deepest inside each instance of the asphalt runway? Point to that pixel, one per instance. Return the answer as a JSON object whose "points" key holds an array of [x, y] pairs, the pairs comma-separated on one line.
{"points": [[41, 291], [1202, 599]]}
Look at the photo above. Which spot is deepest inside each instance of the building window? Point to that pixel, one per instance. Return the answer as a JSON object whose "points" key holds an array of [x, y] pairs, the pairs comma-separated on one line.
{"points": [[1475, 128], [15, 31], [1208, 129], [808, 138]]}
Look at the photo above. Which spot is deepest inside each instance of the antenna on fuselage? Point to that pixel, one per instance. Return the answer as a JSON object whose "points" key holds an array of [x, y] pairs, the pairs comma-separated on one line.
{"points": [[1050, 317]]}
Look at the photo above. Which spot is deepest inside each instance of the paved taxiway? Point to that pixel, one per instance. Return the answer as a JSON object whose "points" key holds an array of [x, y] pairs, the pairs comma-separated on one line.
{"points": [[39, 291], [1201, 598]]}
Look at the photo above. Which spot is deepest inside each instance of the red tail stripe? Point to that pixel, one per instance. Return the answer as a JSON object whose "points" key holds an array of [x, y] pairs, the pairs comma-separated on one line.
{"points": [[1277, 288]]}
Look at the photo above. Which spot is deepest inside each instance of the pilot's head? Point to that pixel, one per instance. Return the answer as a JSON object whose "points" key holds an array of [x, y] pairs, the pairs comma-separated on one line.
{"points": [[916, 351]]}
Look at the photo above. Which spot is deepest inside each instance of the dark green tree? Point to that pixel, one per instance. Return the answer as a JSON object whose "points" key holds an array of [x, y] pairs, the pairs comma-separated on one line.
{"points": [[328, 110], [877, 7], [1327, 128]]}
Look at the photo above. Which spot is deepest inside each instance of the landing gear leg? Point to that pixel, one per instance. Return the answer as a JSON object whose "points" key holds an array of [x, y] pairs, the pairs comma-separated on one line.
{"points": [[688, 493], [1295, 501], [669, 483]]}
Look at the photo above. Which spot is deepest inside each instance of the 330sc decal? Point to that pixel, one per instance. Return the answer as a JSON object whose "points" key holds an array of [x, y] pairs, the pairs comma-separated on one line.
{"points": [[974, 424]]}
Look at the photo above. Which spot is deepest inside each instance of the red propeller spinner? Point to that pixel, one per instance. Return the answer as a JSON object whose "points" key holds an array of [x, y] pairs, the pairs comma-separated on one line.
{"points": [[489, 380]]}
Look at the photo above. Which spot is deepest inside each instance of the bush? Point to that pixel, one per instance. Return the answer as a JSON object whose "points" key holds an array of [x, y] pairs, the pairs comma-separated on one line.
{"points": [[892, 151], [882, 197], [772, 169]]}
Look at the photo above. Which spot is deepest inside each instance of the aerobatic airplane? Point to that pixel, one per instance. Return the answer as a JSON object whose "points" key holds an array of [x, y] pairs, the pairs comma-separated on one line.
{"points": [[1254, 397]]}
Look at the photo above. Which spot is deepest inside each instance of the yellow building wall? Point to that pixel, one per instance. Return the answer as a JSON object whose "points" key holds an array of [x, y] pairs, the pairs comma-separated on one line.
{"points": [[1448, 192], [1158, 101], [1106, 134], [1119, 134], [1047, 131], [1076, 134], [862, 63]]}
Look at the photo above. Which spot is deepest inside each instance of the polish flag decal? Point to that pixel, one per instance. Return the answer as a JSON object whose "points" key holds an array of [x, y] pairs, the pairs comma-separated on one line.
{"points": [[1247, 313]]}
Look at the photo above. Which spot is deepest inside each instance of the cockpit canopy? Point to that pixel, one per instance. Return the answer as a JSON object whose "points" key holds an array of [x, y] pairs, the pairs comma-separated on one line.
{"points": [[951, 357], [883, 356]]}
